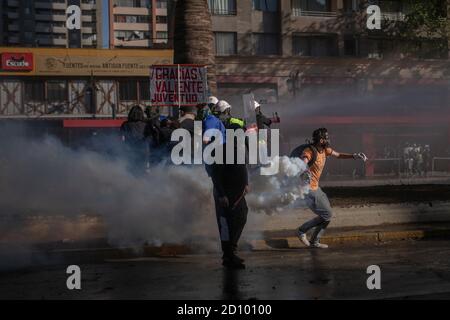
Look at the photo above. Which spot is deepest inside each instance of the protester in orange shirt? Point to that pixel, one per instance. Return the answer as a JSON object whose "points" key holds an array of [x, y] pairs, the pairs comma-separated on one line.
{"points": [[315, 156]]}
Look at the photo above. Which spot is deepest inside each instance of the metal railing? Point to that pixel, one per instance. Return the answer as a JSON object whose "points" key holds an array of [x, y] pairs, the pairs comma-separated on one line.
{"points": [[433, 165], [223, 12], [304, 13]]}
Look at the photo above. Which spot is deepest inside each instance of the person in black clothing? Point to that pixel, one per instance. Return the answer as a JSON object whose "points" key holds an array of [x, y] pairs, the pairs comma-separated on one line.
{"points": [[187, 118], [230, 187], [134, 135], [188, 115], [153, 125]]}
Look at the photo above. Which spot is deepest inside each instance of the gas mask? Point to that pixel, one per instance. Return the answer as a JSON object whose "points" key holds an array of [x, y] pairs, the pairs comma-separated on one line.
{"points": [[326, 140], [203, 113]]}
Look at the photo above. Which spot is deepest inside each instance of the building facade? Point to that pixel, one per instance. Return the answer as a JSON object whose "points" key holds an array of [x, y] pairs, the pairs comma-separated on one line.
{"points": [[100, 70], [317, 65], [42, 23], [292, 41], [139, 24], [81, 83], [104, 24]]}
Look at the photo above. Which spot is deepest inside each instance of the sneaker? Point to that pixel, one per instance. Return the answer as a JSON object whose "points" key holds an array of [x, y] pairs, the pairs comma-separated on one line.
{"points": [[302, 237], [319, 245]]}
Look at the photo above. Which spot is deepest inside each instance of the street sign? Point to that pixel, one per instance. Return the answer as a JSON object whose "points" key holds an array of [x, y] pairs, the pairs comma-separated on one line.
{"points": [[178, 85]]}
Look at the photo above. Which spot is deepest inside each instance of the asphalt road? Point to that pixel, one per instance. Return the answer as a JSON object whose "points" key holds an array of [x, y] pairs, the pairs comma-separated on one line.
{"points": [[409, 270]]}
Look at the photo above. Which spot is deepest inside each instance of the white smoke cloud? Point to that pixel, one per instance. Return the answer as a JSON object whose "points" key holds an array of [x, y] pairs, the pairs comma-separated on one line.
{"points": [[170, 204], [271, 194]]}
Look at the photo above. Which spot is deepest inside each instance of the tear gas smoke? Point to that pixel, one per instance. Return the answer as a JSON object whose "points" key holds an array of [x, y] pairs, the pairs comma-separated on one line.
{"points": [[170, 204], [271, 194]]}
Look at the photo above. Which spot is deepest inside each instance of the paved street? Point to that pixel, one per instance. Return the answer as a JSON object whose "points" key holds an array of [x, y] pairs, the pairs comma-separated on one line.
{"points": [[409, 269]]}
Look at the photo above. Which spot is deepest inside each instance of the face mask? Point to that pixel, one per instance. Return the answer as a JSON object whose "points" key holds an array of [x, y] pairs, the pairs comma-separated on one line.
{"points": [[326, 142], [203, 113]]}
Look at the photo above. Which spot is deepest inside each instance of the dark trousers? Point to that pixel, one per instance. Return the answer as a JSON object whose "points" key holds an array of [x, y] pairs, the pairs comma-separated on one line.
{"points": [[231, 222]]}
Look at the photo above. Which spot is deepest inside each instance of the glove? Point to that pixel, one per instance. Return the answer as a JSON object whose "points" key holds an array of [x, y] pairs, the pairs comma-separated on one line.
{"points": [[360, 155]]}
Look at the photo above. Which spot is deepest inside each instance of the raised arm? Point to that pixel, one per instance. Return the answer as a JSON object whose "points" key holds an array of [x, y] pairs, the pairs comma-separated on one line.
{"points": [[355, 156]]}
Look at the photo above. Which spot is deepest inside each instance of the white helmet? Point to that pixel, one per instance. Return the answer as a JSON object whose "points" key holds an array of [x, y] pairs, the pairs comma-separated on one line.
{"points": [[212, 100], [222, 105], [256, 104]]}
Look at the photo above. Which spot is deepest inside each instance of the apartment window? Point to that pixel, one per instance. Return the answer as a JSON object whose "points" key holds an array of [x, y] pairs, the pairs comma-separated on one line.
{"points": [[133, 3], [131, 35], [92, 25], [131, 19], [266, 44], [351, 5], [265, 5], [35, 91], [222, 7], [298, 6], [144, 90], [225, 43], [56, 91], [314, 46], [162, 35], [161, 4], [128, 90], [351, 46], [161, 19]]}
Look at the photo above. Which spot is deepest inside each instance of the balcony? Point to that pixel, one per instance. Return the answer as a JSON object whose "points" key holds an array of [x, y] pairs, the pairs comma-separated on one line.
{"points": [[50, 17], [13, 15], [132, 11], [49, 5], [50, 29], [161, 27], [161, 12], [51, 41], [132, 26], [133, 43], [13, 27], [88, 6], [13, 39], [13, 3], [223, 12], [320, 14], [88, 18]]}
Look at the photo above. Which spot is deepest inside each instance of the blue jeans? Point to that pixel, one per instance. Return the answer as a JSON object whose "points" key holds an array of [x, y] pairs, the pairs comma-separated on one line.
{"points": [[318, 202]]}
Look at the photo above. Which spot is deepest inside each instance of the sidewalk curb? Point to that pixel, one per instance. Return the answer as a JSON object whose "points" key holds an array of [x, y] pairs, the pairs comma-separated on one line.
{"points": [[379, 236], [274, 243]]}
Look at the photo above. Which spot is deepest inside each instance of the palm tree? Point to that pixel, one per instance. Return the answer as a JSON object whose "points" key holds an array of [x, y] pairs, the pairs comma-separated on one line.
{"points": [[193, 37]]}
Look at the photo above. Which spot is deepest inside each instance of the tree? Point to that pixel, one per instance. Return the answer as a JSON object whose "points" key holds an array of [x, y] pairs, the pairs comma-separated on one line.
{"points": [[427, 20], [193, 37]]}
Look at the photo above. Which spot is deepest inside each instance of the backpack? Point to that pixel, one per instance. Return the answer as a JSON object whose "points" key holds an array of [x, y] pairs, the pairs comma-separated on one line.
{"points": [[297, 152]]}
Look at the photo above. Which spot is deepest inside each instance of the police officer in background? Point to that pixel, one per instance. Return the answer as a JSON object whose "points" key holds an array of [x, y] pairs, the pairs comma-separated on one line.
{"points": [[212, 101], [261, 120], [223, 112]]}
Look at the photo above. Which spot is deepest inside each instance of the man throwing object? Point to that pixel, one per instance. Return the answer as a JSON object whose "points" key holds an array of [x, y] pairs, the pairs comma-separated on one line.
{"points": [[314, 155]]}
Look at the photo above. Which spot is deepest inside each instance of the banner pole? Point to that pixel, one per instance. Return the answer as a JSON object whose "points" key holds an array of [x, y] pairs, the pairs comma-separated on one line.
{"points": [[179, 102]]}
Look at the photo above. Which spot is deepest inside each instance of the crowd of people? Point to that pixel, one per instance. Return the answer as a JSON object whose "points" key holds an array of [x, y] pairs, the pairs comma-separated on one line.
{"points": [[147, 134], [416, 159]]}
